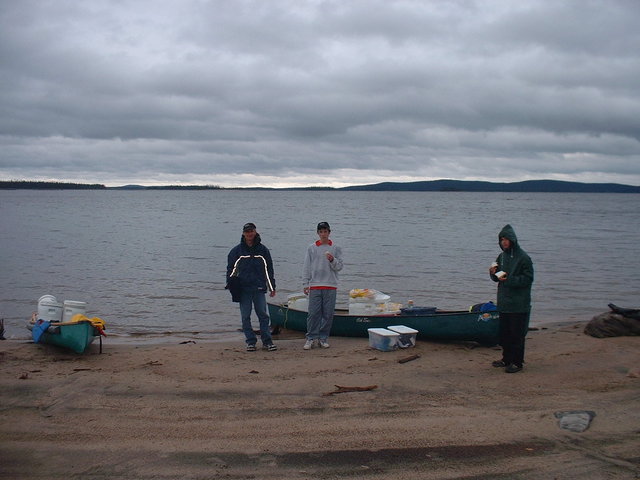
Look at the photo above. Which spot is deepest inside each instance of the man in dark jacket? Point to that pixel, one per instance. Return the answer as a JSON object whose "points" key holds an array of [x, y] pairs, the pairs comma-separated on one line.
{"points": [[250, 265], [513, 270]]}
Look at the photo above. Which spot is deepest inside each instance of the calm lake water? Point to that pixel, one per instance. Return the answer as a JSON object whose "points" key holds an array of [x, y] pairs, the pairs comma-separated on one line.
{"points": [[152, 263]]}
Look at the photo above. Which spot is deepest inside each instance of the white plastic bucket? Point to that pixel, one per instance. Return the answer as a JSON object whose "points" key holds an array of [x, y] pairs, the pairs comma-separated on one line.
{"points": [[49, 309], [47, 298], [71, 308]]}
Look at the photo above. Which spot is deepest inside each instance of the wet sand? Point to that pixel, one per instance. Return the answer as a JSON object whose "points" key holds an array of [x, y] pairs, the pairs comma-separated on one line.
{"points": [[212, 410]]}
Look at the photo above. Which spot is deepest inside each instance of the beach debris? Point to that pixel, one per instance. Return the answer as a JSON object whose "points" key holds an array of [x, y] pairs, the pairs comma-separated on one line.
{"points": [[153, 362], [409, 358], [24, 376], [615, 323], [626, 312], [2, 329], [253, 371], [575, 420], [343, 389], [187, 341]]}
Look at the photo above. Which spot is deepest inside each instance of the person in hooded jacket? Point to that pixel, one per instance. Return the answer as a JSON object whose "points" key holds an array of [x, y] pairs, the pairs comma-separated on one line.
{"points": [[251, 264], [513, 271]]}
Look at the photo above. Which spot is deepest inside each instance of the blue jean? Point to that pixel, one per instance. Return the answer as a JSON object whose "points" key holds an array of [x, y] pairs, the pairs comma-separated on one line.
{"points": [[257, 299], [322, 305]]}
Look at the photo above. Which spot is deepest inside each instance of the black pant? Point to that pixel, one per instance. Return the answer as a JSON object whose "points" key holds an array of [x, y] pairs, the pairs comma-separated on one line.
{"points": [[513, 330]]}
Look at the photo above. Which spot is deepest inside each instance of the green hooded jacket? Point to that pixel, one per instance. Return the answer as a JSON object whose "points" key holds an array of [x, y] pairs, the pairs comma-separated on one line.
{"points": [[514, 294]]}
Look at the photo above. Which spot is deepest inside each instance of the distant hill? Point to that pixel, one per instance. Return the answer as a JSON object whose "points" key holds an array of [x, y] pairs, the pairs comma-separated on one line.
{"points": [[128, 187], [425, 186], [166, 187], [477, 186]]}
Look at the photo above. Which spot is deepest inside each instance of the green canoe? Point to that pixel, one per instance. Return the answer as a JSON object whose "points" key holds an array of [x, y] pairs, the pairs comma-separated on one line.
{"points": [[481, 327], [76, 336]]}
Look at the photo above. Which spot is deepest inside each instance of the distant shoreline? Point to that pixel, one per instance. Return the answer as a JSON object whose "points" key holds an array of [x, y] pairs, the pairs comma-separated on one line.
{"points": [[529, 186]]}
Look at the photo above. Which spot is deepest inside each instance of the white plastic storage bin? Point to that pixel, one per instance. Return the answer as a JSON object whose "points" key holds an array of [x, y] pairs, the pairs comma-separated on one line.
{"points": [[72, 308], [407, 335], [367, 308], [383, 339]]}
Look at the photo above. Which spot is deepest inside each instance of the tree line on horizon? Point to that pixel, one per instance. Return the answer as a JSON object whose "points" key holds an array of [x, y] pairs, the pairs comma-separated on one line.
{"points": [[530, 186], [42, 185]]}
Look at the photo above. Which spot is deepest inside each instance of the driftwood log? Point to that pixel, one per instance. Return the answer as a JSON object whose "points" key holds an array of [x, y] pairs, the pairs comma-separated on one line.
{"points": [[342, 389], [409, 358]]}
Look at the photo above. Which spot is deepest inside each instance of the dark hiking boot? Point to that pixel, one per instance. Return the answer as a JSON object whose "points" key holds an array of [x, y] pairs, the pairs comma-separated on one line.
{"points": [[513, 368]]}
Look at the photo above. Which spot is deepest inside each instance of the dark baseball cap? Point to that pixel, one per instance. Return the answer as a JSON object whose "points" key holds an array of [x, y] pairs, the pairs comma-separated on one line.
{"points": [[322, 225], [248, 227]]}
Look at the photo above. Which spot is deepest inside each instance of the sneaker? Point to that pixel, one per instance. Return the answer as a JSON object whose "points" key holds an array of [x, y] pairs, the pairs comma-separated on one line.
{"points": [[513, 368], [323, 343], [498, 364], [308, 345], [271, 347], [251, 348]]}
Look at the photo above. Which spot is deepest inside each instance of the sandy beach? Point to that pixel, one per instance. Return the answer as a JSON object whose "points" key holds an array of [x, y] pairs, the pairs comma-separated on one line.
{"points": [[212, 410]]}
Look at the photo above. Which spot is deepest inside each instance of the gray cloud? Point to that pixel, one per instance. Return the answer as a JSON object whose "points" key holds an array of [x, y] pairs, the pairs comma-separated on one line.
{"points": [[319, 92]]}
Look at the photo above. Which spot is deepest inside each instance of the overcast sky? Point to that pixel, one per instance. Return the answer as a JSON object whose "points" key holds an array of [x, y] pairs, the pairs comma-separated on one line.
{"points": [[298, 92]]}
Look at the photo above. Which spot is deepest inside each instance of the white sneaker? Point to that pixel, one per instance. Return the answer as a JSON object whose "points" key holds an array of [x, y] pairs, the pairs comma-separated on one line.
{"points": [[323, 343], [308, 345]]}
